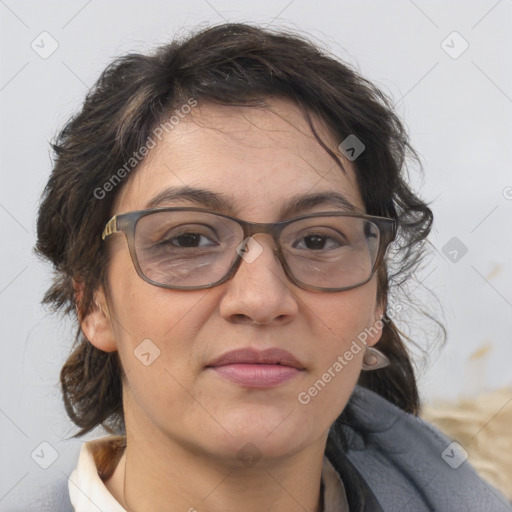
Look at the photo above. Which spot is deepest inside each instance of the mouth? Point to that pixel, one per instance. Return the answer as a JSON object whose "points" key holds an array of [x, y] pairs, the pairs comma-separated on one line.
{"points": [[257, 369]]}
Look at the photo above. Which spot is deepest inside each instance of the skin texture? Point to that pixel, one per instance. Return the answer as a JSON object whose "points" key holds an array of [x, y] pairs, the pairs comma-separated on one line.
{"points": [[186, 424]]}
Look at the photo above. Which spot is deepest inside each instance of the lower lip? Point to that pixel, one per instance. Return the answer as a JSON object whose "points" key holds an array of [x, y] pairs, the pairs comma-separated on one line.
{"points": [[257, 375]]}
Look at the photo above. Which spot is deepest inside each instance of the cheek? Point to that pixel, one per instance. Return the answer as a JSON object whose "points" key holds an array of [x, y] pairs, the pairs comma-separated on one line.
{"points": [[341, 322], [155, 330], [142, 310], [342, 317], [153, 326]]}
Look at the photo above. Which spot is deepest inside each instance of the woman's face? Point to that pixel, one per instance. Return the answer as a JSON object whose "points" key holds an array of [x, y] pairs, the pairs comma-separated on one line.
{"points": [[259, 160]]}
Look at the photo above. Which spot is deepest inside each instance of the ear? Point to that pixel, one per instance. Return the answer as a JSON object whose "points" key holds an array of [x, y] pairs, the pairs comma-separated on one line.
{"points": [[375, 332], [97, 324]]}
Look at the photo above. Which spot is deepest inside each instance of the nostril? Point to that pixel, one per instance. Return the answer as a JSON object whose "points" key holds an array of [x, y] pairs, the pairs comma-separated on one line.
{"points": [[241, 318]]}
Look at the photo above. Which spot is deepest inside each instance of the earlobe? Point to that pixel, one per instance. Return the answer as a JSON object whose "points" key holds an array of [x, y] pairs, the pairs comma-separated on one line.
{"points": [[374, 359], [96, 324]]}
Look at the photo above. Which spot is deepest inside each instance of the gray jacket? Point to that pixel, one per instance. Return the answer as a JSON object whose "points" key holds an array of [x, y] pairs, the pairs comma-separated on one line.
{"points": [[404, 463]]}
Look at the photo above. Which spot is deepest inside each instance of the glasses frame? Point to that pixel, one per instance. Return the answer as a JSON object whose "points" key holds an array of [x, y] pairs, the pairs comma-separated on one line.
{"points": [[127, 222]]}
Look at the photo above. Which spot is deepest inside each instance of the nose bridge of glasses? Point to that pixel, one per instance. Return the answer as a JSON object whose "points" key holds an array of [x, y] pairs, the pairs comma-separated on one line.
{"points": [[251, 229], [255, 228]]}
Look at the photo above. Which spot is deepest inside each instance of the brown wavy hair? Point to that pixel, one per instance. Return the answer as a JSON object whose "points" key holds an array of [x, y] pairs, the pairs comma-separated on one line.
{"points": [[229, 64]]}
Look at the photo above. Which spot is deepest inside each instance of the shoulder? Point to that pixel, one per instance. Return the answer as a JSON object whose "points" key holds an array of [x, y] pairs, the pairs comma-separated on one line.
{"points": [[409, 464]]}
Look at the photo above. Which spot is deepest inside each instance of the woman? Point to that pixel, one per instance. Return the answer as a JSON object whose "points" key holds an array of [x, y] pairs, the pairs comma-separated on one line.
{"points": [[218, 216]]}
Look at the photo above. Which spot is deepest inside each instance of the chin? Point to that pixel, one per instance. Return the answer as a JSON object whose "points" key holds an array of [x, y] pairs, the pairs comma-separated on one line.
{"points": [[262, 436], [249, 451]]}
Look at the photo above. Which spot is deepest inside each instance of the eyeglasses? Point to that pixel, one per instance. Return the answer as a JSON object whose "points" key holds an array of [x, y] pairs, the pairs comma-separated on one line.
{"points": [[192, 248]]}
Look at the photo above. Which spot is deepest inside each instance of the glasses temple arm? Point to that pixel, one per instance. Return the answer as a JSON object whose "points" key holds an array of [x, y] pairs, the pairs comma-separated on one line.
{"points": [[111, 227]]}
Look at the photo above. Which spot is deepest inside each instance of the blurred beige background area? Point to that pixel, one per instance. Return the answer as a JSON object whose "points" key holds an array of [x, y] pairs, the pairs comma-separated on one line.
{"points": [[483, 427]]}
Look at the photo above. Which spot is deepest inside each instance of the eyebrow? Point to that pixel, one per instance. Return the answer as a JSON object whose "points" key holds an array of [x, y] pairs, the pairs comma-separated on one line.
{"points": [[225, 204]]}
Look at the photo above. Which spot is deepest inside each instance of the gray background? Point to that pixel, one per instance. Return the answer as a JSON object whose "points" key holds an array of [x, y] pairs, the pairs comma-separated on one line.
{"points": [[458, 109]]}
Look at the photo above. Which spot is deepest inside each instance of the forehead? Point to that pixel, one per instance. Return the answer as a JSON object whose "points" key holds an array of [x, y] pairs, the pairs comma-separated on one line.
{"points": [[255, 157]]}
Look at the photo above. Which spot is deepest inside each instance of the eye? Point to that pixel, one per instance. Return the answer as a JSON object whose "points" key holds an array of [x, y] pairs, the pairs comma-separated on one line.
{"points": [[189, 240], [317, 241], [185, 237]]}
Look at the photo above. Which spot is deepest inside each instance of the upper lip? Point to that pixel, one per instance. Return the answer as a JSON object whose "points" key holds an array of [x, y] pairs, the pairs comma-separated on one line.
{"points": [[251, 356]]}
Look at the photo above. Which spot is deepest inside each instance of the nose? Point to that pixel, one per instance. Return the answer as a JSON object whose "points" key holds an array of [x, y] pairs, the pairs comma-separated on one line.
{"points": [[260, 291]]}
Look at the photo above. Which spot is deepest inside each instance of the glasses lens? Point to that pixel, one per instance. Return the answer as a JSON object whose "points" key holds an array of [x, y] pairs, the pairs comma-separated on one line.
{"points": [[186, 248], [331, 252]]}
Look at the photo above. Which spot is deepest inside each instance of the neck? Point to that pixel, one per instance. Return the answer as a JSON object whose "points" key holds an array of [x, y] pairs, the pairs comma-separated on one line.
{"points": [[159, 478]]}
